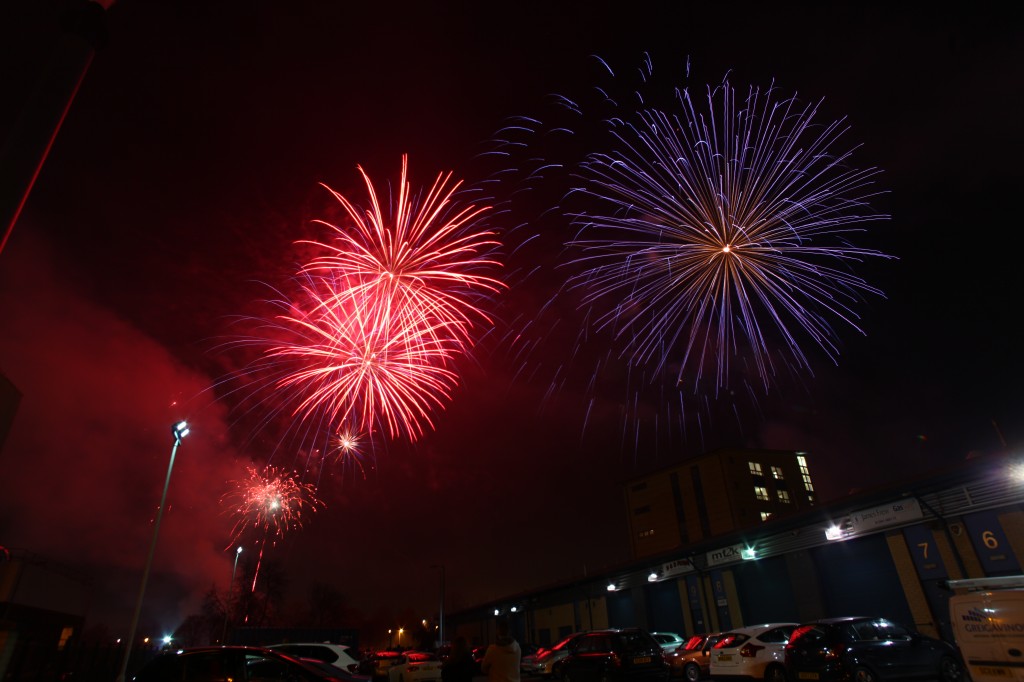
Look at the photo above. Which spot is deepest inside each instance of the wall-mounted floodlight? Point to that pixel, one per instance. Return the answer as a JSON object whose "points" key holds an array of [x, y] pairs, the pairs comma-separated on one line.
{"points": [[652, 578], [748, 554], [611, 587]]}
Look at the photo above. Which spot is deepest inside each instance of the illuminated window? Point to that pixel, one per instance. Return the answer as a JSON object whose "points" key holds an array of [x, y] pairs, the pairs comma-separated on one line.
{"points": [[646, 533], [805, 473], [755, 469], [65, 635], [777, 473], [765, 516], [761, 493], [783, 496]]}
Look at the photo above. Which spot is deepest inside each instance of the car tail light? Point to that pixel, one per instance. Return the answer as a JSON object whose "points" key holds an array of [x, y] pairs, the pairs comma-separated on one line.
{"points": [[615, 660], [750, 650]]}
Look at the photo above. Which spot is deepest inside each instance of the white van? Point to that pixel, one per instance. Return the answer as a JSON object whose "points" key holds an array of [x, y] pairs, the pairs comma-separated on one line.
{"points": [[987, 615]]}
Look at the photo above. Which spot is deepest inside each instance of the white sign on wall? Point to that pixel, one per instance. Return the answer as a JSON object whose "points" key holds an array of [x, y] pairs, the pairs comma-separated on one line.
{"points": [[726, 555], [905, 511], [676, 567]]}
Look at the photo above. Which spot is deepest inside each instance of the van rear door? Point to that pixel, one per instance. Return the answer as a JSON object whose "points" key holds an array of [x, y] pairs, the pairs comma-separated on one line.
{"points": [[989, 629]]}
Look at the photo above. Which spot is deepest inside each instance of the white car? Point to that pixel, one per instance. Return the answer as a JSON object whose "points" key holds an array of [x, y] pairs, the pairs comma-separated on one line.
{"points": [[338, 655], [415, 666], [669, 641], [757, 652]]}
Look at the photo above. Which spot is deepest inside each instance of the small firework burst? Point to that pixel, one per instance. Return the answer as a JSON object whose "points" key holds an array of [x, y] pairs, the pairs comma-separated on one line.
{"points": [[271, 502]]}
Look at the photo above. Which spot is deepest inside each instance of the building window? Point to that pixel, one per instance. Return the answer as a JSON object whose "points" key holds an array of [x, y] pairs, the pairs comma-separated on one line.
{"points": [[783, 495], [805, 473], [777, 473], [761, 493], [755, 469], [646, 509], [645, 533]]}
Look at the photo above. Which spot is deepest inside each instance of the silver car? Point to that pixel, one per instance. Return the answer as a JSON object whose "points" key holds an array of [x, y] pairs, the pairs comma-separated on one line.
{"points": [[548, 662]]}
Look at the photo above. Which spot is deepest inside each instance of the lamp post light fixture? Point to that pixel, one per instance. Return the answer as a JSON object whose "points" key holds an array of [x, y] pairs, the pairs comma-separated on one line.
{"points": [[179, 430], [227, 603]]}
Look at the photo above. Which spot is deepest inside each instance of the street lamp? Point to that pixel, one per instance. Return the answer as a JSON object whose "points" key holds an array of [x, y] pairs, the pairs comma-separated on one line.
{"points": [[227, 603], [179, 431], [440, 613]]}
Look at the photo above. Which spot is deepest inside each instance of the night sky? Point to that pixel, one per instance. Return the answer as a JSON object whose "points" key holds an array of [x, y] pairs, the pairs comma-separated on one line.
{"points": [[189, 163]]}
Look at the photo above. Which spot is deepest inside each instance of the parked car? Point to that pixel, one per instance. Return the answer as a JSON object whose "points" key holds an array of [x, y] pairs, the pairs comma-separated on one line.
{"points": [[669, 641], [692, 661], [339, 655], [866, 649], [548, 662], [478, 657], [378, 663], [335, 672], [757, 652], [528, 659], [615, 655], [202, 664], [415, 666]]}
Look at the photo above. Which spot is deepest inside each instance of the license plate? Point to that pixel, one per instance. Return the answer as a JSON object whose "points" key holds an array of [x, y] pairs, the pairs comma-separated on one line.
{"points": [[642, 659], [807, 676], [991, 671], [724, 657]]}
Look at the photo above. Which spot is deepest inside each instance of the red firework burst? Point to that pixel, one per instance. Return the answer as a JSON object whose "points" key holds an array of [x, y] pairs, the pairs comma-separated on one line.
{"points": [[271, 502], [423, 262], [367, 340]]}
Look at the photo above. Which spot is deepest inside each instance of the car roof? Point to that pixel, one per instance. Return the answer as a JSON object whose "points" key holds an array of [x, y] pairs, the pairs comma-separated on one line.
{"points": [[230, 647], [330, 644], [757, 629], [837, 620]]}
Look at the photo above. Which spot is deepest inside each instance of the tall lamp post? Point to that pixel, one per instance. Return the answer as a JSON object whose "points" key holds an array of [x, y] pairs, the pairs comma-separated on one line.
{"points": [[440, 612], [227, 604], [179, 430]]}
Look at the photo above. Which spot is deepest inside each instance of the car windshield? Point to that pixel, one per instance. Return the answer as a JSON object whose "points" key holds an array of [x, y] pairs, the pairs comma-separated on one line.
{"points": [[561, 645], [637, 641], [731, 639], [694, 642]]}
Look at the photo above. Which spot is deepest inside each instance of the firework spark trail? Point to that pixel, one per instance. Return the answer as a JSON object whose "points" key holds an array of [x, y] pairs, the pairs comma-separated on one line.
{"points": [[706, 234]]}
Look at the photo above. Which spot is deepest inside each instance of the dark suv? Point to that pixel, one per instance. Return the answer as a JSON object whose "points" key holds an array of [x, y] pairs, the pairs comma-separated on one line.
{"points": [[618, 655], [864, 649]]}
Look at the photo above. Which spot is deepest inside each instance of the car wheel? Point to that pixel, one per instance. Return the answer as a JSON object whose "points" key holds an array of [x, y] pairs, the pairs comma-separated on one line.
{"points": [[775, 673], [691, 673], [863, 675], [950, 670], [556, 673]]}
